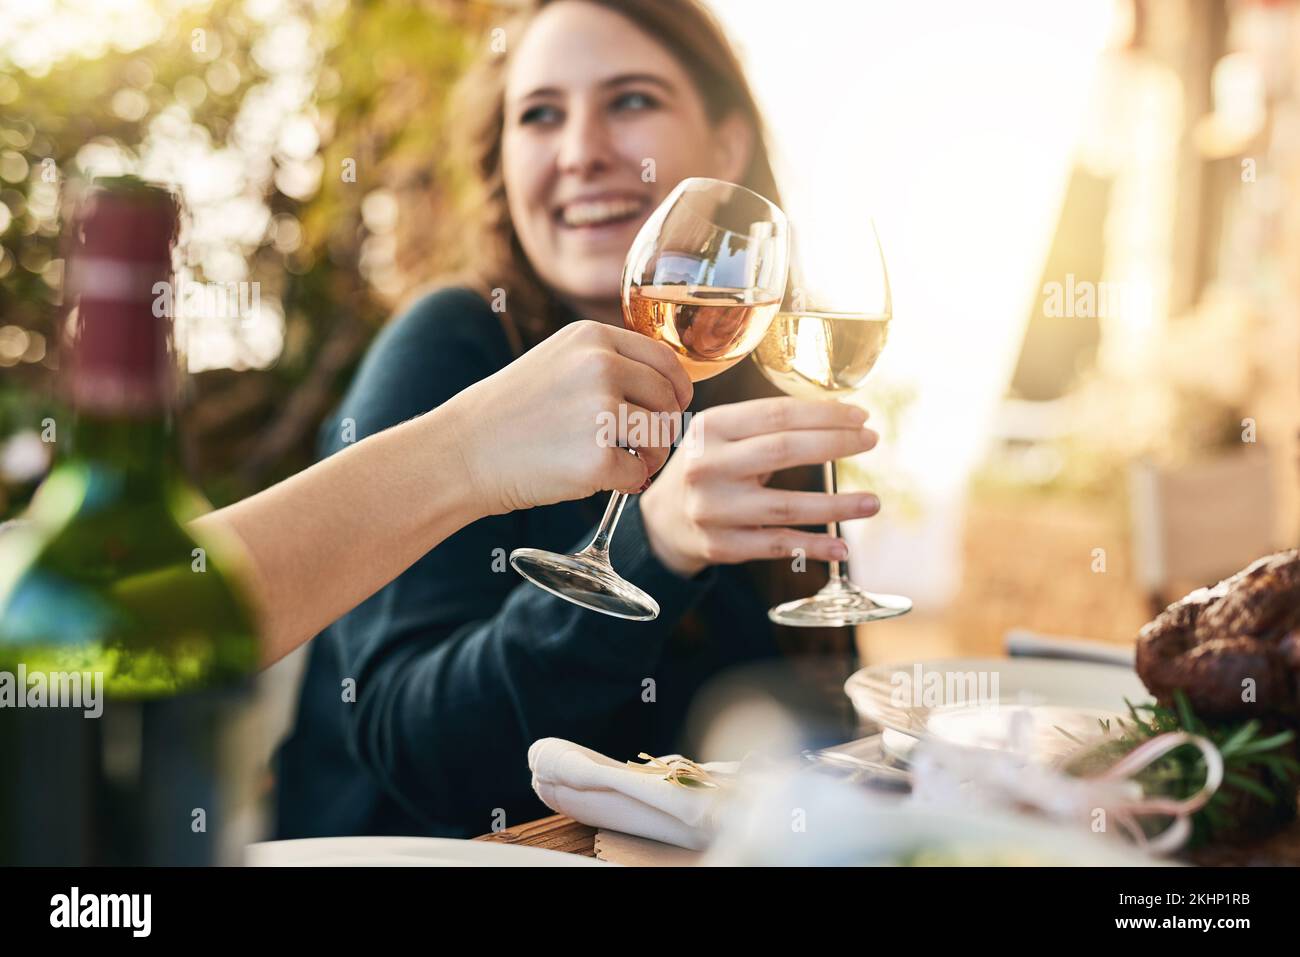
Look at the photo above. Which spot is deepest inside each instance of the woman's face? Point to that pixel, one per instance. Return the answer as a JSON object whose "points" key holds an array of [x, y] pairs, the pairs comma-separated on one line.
{"points": [[601, 123]]}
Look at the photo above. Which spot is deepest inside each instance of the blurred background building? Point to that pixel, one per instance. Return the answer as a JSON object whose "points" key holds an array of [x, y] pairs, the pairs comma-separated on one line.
{"points": [[1090, 210]]}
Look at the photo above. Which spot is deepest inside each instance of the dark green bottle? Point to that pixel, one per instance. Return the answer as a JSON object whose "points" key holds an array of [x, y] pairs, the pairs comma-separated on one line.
{"points": [[110, 605]]}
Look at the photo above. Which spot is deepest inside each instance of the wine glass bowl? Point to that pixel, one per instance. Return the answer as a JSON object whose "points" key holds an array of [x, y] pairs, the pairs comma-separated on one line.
{"points": [[713, 278], [814, 355], [709, 329]]}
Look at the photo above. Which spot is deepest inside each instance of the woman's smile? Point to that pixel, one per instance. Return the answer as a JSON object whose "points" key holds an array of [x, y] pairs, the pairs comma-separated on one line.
{"points": [[592, 101], [597, 211], [601, 222]]}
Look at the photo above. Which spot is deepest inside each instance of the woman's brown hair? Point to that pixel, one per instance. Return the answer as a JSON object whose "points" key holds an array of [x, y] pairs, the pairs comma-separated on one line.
{"points": [[688, 31]]}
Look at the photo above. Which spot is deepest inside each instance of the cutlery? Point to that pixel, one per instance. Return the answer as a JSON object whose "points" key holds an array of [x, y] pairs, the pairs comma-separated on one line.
{"points": [[1022, 643], [873, 773]]}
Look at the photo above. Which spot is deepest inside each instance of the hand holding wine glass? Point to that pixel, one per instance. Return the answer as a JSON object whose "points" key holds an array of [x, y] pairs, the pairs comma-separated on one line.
{"points": [[711, 504], [528, 433], [705, 275]]}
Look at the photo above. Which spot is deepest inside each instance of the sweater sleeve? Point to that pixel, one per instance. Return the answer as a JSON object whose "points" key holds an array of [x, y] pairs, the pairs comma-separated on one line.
{"points": [[459, 664]]}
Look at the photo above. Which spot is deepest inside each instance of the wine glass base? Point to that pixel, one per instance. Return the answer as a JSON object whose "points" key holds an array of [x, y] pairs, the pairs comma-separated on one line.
{"points": [[586, 581], [839, 603]]}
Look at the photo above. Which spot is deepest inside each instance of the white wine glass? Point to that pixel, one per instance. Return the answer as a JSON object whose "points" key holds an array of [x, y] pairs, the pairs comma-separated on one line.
{"points": [[705, 275], [822, 347]]}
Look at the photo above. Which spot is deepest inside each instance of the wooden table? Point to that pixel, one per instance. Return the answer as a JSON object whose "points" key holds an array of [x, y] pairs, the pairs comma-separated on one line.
{"points": [[559, 832]]}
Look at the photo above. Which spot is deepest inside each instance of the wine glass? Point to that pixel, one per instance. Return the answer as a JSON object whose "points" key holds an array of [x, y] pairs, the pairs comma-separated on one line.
{"points": [[705, 275], [823, 347]]}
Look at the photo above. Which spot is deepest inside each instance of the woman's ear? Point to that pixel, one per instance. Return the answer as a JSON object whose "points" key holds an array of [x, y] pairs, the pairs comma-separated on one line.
{"points": [[733, 146]]}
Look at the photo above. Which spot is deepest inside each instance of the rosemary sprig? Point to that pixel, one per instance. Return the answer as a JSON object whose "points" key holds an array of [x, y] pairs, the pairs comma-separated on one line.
{"points": [[1258, 767]]}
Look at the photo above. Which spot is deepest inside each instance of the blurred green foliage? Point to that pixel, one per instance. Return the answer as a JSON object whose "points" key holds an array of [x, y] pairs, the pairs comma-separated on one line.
{"points": [[378, 75]]}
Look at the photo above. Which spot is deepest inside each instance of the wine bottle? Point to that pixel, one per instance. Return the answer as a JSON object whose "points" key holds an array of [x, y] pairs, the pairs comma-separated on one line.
{"points": [[126, 647]]}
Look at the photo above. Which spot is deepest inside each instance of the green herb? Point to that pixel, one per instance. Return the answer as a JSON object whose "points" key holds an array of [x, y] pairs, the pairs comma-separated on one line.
{"points": [[1258, 768]]}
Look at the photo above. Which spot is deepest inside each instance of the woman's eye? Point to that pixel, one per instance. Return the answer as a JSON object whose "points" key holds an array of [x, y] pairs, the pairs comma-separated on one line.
{"points": [[635, 101], [540, 114]]}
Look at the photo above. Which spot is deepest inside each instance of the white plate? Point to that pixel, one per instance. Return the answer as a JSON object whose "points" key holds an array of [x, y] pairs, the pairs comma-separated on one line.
{"points": [[900, 834], [992, 702], [405, 852], [897, 745], [869, 831]]}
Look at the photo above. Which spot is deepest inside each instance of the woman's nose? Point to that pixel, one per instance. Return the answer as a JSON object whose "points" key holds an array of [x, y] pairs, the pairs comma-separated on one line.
{"points": [[585, 145]]}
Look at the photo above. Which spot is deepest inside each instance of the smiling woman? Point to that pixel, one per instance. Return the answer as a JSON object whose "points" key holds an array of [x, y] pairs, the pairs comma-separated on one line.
{"points": [[582, 128], [589, 148], [596, 110]]}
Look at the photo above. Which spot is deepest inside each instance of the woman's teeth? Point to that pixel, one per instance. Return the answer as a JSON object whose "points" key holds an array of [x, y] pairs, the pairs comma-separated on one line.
{"points": [[598, 211]]}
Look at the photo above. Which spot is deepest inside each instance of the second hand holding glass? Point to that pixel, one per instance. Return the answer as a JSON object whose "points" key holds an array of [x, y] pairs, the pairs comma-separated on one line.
{"points": [[705, 275]]}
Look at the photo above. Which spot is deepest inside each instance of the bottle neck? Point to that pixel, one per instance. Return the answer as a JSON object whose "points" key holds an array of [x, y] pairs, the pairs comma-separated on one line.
{"points": [[141, 448], [118, 368]]}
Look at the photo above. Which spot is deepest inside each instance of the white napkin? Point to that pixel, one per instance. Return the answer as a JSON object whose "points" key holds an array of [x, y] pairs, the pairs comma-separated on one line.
{"points": [[605, 793]]}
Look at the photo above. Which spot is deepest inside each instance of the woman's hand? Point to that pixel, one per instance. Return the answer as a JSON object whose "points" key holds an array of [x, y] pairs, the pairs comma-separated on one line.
{"points": [[536, 432], [548, 427], [711, 505]]}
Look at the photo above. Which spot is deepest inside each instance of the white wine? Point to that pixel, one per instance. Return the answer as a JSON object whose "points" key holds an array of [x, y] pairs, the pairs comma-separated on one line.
{"points": [[813, 355], [710, 329]]}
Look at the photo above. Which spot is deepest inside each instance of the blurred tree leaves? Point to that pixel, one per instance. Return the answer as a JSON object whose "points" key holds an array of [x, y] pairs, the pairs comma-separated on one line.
{"points": [[378, 75]]}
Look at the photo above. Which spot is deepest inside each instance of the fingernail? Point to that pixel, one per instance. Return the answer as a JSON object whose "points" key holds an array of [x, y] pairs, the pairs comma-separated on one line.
{"points": [[645, 485], [870, 435], [839, 550], [870, 504]]}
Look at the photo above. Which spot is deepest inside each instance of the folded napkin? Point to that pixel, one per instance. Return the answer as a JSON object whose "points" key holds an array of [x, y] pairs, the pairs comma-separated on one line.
{"points": [[605, 793]]}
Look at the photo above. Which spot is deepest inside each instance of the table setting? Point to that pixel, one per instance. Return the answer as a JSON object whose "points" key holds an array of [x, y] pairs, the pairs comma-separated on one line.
{"points": [[1067, 753], [1060, 754], [667, 436]]}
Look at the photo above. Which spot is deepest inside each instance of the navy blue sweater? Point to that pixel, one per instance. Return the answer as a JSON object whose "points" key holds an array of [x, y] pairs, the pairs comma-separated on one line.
{"points": [[460, 664]]}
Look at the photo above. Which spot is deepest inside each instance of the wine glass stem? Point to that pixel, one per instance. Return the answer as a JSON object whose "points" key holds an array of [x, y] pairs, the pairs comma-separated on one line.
{"points": [[839, 569], [599, 546]]}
